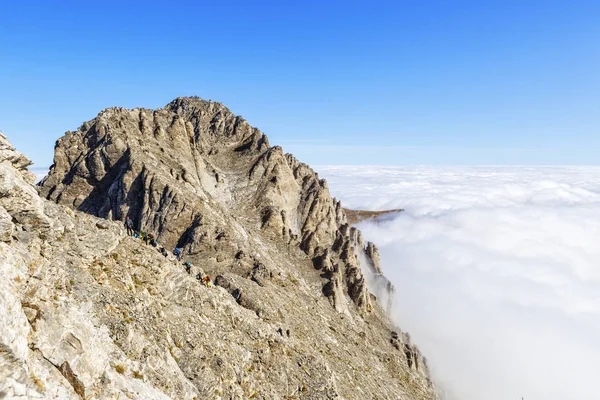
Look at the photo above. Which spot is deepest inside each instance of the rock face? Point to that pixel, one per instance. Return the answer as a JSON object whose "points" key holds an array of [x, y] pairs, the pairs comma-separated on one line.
{"points": [[89, 312], [203, 179]]}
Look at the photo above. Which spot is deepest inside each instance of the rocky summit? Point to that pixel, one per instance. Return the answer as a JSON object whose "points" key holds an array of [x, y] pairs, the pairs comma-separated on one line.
{"points": [[277, 300]]}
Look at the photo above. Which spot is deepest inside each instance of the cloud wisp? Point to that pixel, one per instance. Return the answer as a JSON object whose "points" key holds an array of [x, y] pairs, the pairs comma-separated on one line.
{"points": [[497, 271], [40, 172]]}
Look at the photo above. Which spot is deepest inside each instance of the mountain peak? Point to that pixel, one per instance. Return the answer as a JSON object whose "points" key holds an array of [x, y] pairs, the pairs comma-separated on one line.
{"points": [[289, 301]]}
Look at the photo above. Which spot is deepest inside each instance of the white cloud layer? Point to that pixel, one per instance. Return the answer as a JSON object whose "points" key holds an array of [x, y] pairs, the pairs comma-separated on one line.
{"points": [[497, 271]]}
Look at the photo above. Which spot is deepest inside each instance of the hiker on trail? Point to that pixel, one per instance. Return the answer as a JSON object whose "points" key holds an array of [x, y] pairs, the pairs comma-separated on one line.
{"points": [[177, 253], [207, 280], [188, 267], [129, 226], [152, 240], [144, 237], [199, 276]]}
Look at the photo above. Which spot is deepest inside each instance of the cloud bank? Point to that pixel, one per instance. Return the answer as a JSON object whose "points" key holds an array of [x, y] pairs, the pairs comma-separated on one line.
{"points": [[497, 271]]}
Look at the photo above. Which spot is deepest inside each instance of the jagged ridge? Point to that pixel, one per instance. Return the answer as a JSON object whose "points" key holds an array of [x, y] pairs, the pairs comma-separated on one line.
{"points": [[156, 165]]}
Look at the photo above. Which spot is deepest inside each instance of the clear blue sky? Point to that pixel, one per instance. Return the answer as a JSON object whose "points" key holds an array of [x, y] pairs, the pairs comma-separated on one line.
{"points": [[334, 82]]}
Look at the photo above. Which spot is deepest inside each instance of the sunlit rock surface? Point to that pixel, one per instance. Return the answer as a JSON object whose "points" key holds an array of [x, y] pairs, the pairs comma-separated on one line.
{"points": [[89, 312]]}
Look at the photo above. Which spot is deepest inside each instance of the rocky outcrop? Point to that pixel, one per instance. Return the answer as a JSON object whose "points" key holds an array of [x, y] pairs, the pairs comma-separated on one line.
{"points": [[189, 170], [357, 216], [18, 161], [18, 197], [89, 312]]}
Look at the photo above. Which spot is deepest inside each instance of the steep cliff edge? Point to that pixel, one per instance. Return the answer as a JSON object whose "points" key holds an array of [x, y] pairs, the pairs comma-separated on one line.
{"points": [[90, 312]]}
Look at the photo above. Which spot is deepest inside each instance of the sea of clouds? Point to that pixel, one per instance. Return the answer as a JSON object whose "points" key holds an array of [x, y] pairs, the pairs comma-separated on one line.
{"points": [[497, 271]]}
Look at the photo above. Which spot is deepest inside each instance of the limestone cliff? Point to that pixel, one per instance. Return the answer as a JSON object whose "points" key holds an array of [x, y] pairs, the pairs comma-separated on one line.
{"points": [[90, 312]]}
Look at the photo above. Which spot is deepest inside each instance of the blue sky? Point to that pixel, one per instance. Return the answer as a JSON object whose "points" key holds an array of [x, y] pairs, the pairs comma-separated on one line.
{"points": [[334, 82]]}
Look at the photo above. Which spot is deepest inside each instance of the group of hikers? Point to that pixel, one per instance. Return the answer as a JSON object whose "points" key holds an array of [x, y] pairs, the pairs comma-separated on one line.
{"points": [[149, 238], [203, 279]]}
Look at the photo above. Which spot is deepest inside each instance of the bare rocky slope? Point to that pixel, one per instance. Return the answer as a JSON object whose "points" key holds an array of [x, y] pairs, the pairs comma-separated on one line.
{"points": [[356, 216], [89, 312]]}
